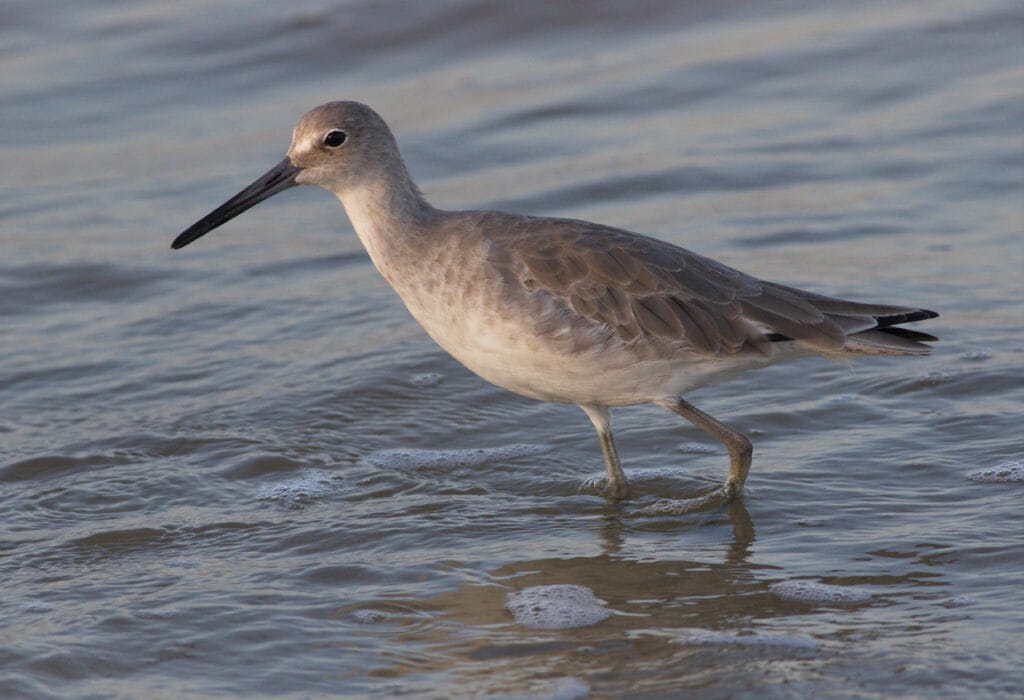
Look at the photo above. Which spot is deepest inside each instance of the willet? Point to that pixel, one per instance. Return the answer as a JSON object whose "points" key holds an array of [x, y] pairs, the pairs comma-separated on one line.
{"points": [[563, 310]]}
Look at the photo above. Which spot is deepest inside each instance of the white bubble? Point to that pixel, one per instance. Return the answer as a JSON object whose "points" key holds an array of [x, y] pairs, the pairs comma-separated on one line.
{"points": [[368, 616], [934, 378], [426, 379], [633, 476], [556, 607], [696, 448], [1001, 473], [812, 592], [305, 487]]}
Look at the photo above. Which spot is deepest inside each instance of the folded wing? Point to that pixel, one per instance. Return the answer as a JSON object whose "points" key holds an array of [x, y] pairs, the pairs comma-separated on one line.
{"points": [[647, 291]]}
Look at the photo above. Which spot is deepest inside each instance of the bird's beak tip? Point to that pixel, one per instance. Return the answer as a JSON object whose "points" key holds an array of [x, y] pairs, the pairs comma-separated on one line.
{"points": [[277, 179]]}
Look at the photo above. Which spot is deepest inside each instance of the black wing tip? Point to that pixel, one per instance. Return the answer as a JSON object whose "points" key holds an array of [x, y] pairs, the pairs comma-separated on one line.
{"points": [[909, 317], [891, 326], [909, 334], [887, 324]]}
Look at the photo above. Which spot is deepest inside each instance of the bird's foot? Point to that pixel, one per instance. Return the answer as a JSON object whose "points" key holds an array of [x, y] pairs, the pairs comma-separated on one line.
{"points": [[732, 490], [617, 491]]}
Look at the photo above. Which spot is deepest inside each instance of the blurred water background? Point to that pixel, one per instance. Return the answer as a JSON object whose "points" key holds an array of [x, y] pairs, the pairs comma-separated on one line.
{"points": [[241, 469]]}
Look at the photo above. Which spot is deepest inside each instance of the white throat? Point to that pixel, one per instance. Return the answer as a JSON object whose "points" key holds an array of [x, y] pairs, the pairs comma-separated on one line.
{"points": [[391, 218]]}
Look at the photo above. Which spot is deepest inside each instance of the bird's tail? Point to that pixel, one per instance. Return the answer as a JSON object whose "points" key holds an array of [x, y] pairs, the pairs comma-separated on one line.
{"points": [[889, 338], [872, 329]]}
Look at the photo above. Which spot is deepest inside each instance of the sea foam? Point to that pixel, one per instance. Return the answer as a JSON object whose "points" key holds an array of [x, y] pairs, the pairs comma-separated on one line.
{"points": [[1001, 473], [812, 592], [556, 607]]}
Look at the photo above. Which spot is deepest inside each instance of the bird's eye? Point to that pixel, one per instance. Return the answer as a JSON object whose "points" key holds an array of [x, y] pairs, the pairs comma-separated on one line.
{"points": [[334, 138]]}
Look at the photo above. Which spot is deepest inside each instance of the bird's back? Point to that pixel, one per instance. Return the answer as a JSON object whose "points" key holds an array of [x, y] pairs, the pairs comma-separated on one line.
{"points": [[659, 297]]}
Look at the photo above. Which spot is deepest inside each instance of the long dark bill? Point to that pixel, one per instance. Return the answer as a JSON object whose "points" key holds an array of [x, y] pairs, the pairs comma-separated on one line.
{"points": [[277, 179]]}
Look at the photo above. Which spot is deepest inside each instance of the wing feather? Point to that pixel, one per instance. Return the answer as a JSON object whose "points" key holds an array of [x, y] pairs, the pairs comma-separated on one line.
{"points": [[649, 292]]}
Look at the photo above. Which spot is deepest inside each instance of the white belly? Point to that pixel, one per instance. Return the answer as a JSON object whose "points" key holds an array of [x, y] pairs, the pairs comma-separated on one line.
{"points": [[504, 349]]}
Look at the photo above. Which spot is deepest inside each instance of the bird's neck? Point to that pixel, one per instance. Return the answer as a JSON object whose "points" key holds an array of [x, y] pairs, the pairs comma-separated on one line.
{"points": [[392, 220]]}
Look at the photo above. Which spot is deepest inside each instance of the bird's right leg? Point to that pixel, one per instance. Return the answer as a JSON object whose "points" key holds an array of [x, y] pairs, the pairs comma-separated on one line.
{"points": [[601, 417], [740, 449]]}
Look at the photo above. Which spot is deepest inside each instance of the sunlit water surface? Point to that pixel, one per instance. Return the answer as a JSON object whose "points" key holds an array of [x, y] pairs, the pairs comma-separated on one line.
{"points": [[241, 469]]}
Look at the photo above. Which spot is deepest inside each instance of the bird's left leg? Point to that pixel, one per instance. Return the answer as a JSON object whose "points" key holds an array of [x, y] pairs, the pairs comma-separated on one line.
{"points": [[601, 417]]}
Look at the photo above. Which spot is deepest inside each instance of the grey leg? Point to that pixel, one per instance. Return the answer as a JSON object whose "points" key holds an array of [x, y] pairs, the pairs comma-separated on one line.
{"points": [[601, 417], [740, 449]]}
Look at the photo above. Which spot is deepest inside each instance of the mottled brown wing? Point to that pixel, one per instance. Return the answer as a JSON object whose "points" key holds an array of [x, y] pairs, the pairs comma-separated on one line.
{"points": [[648, 291]]}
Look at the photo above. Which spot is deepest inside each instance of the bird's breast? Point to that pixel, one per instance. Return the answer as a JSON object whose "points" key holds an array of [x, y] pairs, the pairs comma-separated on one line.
{"points": [[519, 339]]}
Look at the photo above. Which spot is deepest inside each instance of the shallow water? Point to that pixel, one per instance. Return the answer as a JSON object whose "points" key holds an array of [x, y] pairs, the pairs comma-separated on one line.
{"points": [[242, 469]]}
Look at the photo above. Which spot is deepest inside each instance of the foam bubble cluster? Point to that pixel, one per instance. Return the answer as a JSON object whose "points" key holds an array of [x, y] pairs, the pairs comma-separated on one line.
{"points": [[410, 458], [812, 592], [633, 476], [556, 607], [307, 486], [426, 379], [696, 448], [369, 616], [1001, 473], [934, 378]]}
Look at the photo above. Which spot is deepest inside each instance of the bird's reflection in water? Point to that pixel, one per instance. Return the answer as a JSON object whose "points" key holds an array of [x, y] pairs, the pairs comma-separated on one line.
{"points": [[719, 589], [617, 522]]}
